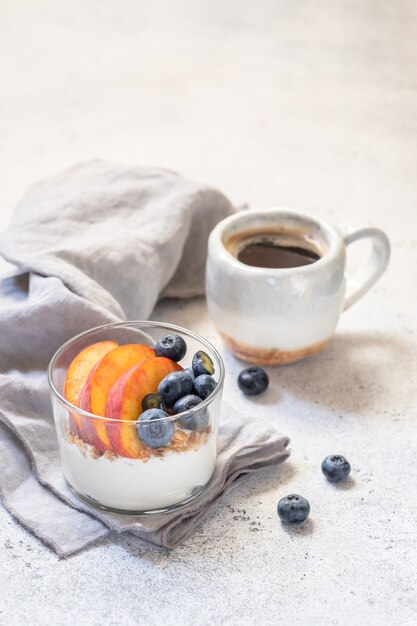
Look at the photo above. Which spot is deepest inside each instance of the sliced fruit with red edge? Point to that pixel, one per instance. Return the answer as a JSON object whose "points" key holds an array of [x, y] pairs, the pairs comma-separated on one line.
{"points": [[77, 375], [124, 402], [89, 433], [93, 397]]}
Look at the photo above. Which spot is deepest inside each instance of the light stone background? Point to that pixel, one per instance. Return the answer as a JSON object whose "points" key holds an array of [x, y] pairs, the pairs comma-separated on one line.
{"points": [[312, 105]]}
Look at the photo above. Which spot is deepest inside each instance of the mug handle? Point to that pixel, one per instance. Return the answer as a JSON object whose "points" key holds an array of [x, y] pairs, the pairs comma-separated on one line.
{"points": [[358, 283]]}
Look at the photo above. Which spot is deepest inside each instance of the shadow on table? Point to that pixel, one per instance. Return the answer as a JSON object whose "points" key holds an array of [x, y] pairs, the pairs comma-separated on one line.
{"points": [[303, 528], [345, 485], [256, 487], [356, 372]]}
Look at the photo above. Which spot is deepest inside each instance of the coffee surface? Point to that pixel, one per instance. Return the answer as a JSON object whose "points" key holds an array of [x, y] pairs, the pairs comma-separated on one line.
{"points": [[272, 254]]}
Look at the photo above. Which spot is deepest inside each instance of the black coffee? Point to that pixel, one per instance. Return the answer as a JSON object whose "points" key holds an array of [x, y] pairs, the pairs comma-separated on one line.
{"points": [[269, 254], [272, 250]]}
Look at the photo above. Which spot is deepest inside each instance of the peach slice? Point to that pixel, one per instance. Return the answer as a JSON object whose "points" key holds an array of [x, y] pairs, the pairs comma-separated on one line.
{"points": [[77, 374], [124, 402], [88, 434], [93, 397]]}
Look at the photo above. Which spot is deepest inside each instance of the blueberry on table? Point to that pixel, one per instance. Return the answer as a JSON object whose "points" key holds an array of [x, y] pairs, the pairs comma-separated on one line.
{"points": [[202, 364], [253, 380], [172, 347], [152, 401], [194, 420], [204, 385], [153, 429], [174, 386], [335, 468], [293, 509]]}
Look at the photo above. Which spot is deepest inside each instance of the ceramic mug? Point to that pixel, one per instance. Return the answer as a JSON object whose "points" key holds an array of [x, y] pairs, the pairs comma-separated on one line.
{"points": [[272, 316]]}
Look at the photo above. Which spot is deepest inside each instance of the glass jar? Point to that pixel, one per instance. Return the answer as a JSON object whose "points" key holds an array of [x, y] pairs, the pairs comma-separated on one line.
{"points": [[107, 460]]}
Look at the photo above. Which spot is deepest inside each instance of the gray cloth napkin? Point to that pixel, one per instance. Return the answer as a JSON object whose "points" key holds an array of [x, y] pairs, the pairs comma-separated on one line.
{"points": [[100, 243]]}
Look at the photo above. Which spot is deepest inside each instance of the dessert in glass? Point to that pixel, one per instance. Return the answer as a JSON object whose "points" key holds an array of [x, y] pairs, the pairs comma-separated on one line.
{"points": [[136, 408]]}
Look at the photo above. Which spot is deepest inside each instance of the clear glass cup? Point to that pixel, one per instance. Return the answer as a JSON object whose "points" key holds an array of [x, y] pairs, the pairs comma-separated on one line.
{"points": [[105, 462]]}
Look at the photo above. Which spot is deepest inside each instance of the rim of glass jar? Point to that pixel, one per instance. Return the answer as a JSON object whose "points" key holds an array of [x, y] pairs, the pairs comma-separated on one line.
{"points": [[172, 418]]}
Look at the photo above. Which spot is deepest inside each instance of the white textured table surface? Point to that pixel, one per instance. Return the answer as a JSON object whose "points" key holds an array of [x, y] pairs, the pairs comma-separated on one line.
{"points": [[308, 104]]}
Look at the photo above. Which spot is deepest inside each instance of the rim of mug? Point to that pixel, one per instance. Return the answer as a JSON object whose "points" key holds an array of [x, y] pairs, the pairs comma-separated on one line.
{"points": [[335, 240]]}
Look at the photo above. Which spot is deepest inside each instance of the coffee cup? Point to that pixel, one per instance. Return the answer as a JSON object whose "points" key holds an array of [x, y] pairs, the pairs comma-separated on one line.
{"points": [[289, 309]]}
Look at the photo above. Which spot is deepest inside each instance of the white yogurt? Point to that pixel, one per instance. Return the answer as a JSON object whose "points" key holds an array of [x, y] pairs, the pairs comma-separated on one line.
{"points": [[137, 485]]}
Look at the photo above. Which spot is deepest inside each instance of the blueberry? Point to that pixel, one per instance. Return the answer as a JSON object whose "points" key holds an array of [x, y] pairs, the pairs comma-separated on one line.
{"points": [[253, 380], [336, 468], [202, 364], [194, 420], [204, 385], [153, 430], [172, 347], [174, 386], [293, 508], [189, 371], [152, 401], [186, 403]]}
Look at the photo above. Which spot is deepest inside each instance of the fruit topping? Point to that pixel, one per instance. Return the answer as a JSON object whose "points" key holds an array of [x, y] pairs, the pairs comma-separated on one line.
{"points": [[172, 347], [124, 402], [174, 386], [152, 401], [154, 430], [77, 375], [335, 468], [293, 509], [189, 370], [253, 381], [202, 364], [134, 386], [94, 395], [194, 420], [204, 385], [81, 366], [186, 403]]}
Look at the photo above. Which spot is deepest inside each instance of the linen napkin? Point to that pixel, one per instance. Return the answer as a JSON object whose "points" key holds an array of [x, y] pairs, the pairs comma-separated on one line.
{"points": [[99, 243]]}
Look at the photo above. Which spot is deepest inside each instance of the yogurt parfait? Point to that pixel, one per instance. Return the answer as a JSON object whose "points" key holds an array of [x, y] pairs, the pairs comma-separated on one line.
{"points": [[136, 408]]}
